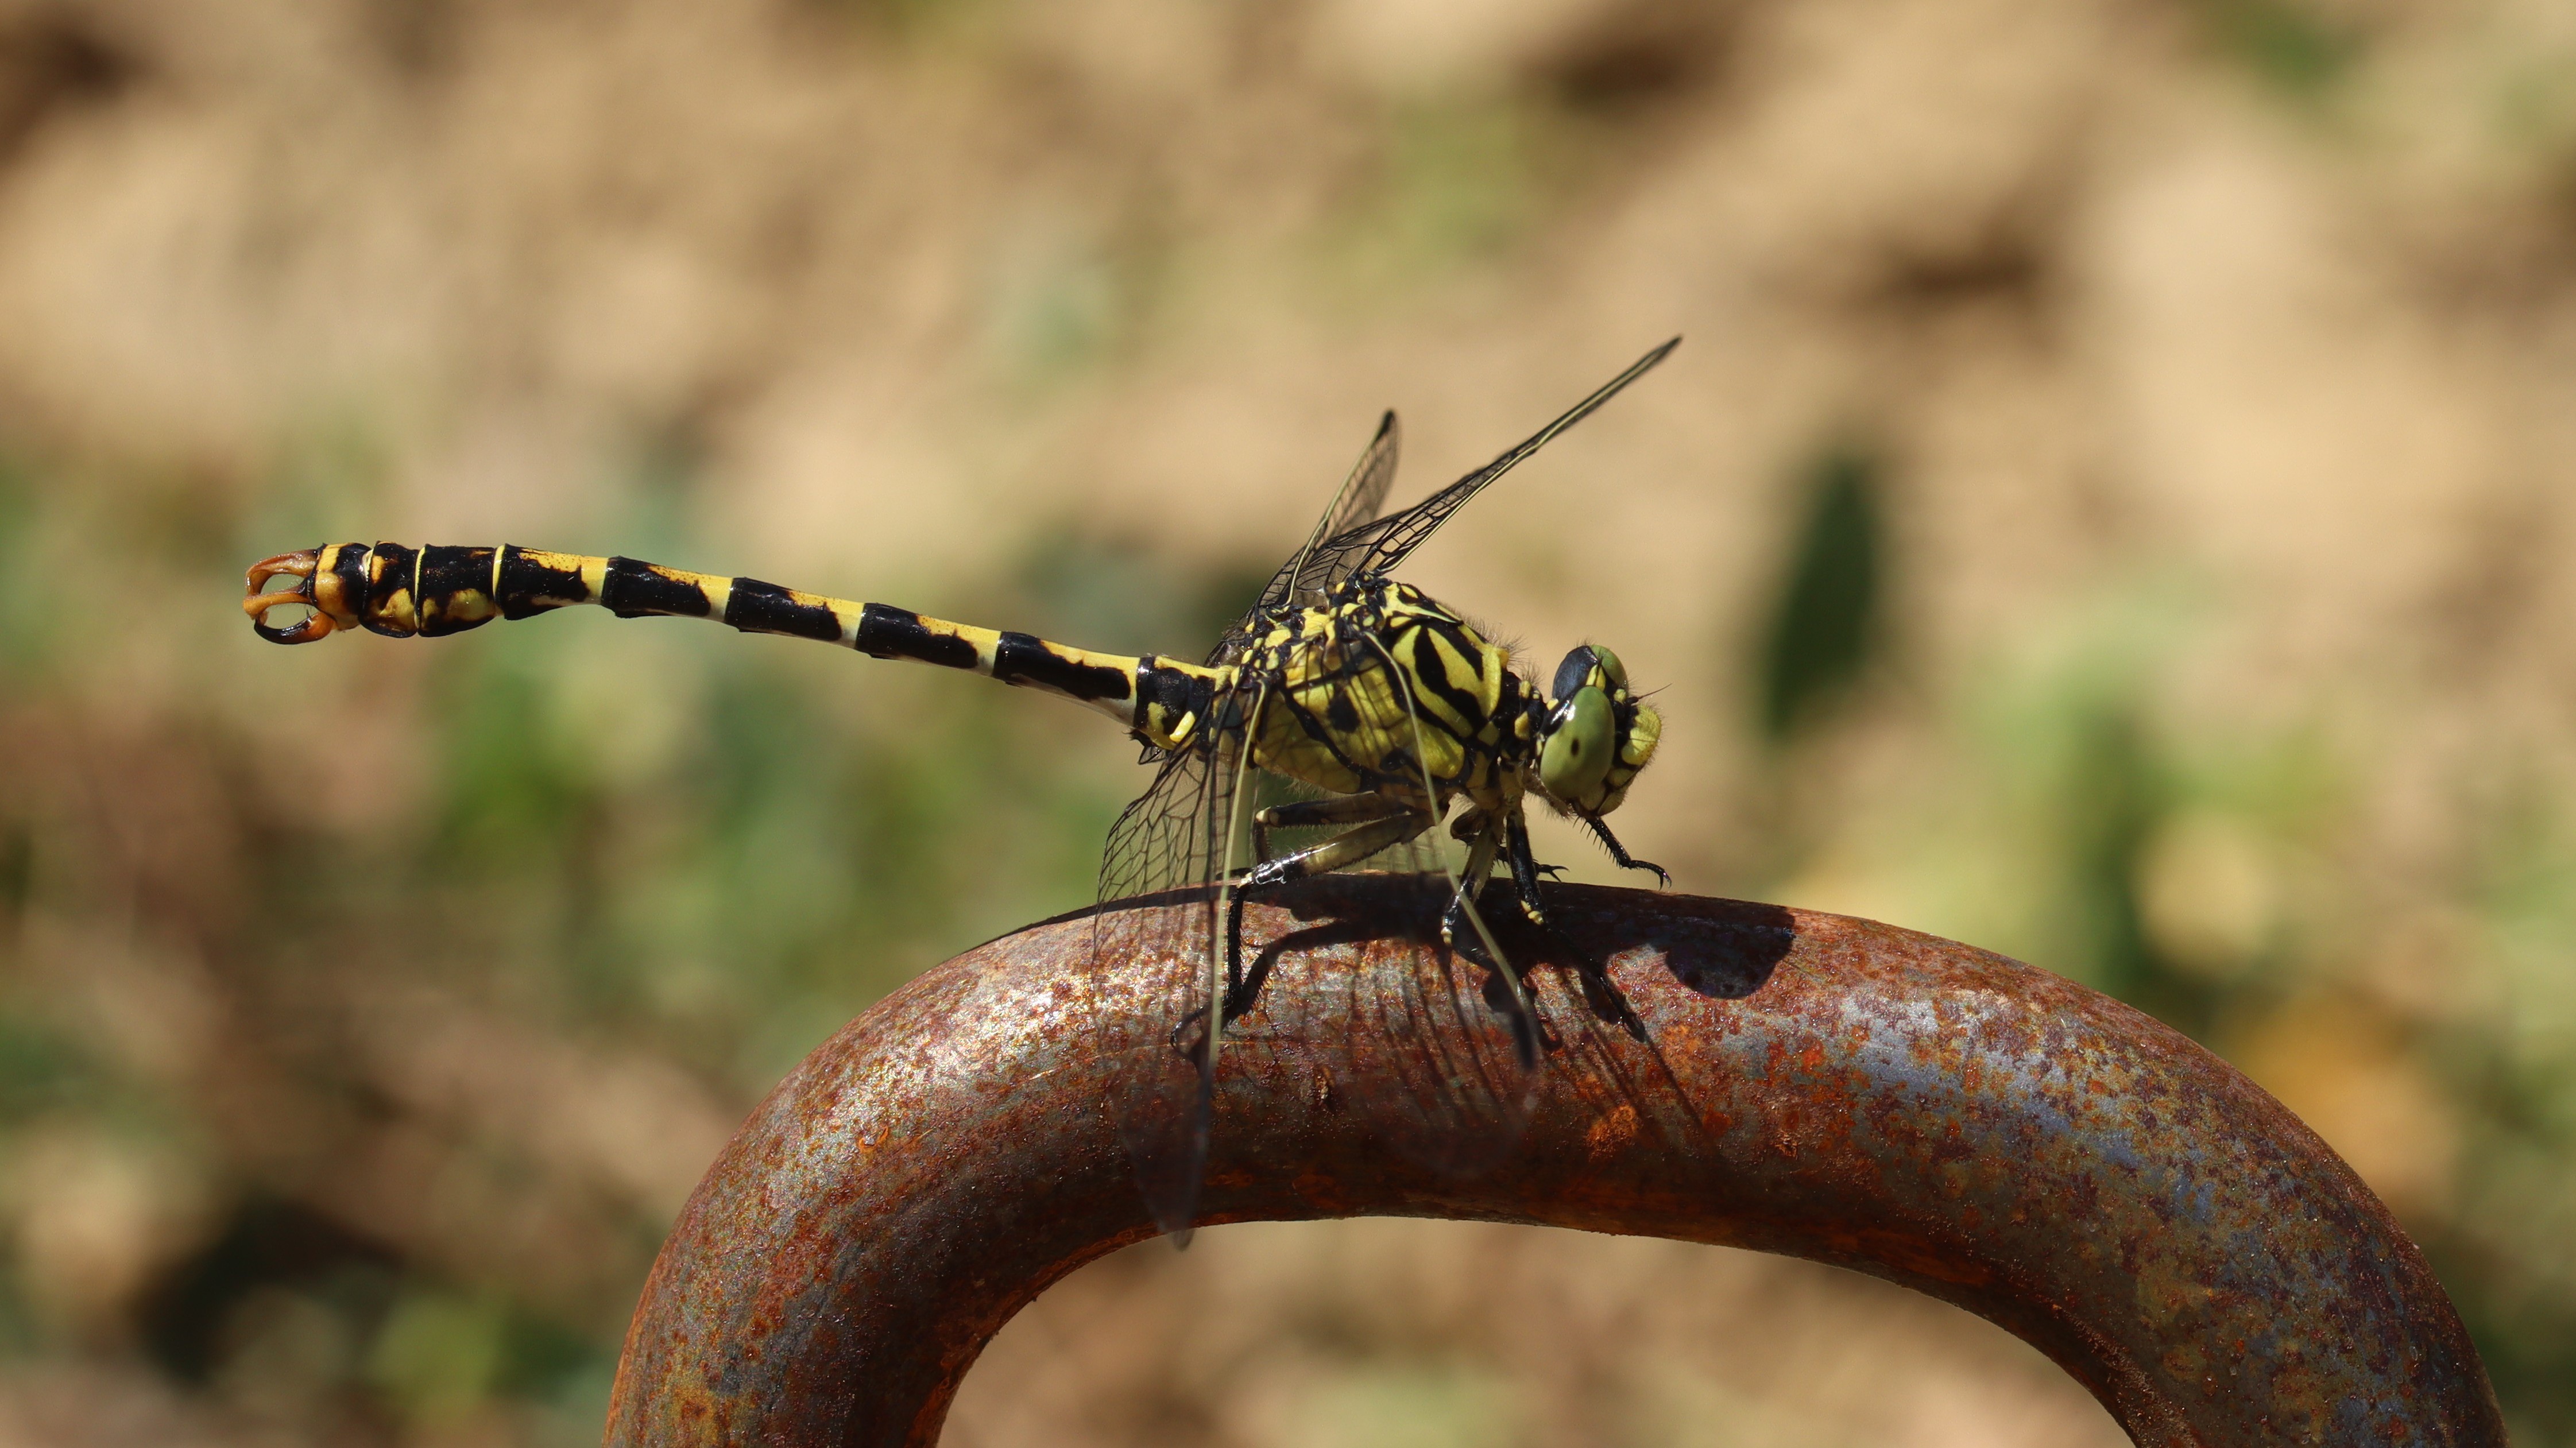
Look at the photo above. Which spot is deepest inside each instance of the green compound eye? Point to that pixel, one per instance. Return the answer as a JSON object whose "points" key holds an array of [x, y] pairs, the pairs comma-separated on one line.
{"points": [[1611, 669], [1578, 749]]}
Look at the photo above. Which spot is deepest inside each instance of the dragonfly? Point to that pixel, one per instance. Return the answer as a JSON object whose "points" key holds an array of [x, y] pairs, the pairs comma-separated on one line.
{"points": [[1382, 706]]}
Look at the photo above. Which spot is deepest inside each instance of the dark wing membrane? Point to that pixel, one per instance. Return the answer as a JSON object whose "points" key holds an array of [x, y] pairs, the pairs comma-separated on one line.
{"points": [[1361, 495], [1378, 546]]}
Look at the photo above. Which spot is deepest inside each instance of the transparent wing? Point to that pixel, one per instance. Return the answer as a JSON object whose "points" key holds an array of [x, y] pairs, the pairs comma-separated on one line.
{"points": [[1361, 495], [1163, 840], [1175, 842], [1164, 843], [1378, 545]]}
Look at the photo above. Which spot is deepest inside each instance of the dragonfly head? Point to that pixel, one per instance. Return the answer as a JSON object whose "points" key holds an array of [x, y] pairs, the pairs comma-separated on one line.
{"points": [[1595, 736]]}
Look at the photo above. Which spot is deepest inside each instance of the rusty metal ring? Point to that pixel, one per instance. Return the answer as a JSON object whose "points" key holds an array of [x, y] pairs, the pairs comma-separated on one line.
{"points": [[1935, 1115]]}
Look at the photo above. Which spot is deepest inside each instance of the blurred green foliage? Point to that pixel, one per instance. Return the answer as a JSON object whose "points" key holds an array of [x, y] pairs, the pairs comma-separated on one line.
{"points": [[1825, 620], [2298, 51], [1408, 1405]]}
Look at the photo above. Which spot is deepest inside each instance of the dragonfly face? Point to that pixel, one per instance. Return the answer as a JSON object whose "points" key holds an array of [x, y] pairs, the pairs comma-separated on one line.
{"points": [[1594, 737]]}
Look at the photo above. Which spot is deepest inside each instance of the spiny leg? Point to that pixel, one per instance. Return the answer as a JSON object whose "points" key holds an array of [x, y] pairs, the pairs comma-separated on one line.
{"points": [[1525, 868], [1599, 990], [1619, 853], [1483, 837]]}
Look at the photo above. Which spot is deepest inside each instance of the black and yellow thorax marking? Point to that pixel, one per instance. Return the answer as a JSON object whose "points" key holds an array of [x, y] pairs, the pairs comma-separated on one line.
{"points": [[1378, 688]]}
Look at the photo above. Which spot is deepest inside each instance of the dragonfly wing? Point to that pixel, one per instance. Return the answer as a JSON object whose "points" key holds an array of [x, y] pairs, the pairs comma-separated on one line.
{"points": [[1378, 545], [1160, 845], [1363, 494], [1456, 1099], [1358, 501], [1170, 846]]}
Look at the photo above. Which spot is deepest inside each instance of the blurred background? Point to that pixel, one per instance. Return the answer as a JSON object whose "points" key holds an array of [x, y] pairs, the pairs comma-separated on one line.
{"points": [[2112, 507]]}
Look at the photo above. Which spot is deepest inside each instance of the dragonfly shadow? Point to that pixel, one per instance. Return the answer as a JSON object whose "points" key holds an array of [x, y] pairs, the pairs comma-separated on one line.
{"points": [[1394, 907], [1725, 953], [1243, 994], [1718, 949], [1421, 1036], [1443, 1082]]}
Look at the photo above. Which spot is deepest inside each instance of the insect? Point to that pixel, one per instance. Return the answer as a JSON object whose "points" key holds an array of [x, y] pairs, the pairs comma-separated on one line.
{"points": [[1383, 703]]}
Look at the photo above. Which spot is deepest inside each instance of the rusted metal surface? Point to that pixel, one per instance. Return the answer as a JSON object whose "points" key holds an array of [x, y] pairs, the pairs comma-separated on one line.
{"points": [[1826, 1087]]}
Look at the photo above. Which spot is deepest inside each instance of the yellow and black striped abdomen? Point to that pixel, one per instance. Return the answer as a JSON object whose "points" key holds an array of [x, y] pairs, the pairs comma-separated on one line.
{"points": [[400, 591]]}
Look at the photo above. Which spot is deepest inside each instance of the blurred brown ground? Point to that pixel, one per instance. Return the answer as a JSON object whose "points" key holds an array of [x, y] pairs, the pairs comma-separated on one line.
{"points": [[2112, 507]]}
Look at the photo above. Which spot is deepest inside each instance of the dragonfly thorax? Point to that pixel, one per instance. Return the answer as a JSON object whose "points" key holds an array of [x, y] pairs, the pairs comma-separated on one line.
{"points": [[1380, 689]]}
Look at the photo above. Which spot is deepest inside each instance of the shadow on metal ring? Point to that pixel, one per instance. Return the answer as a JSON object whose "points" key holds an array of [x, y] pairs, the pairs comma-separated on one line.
{"points": [[1830, 1088]]}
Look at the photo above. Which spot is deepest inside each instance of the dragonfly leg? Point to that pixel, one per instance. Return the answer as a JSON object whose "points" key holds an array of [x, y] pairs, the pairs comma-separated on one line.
{"points": [[1483, 837], [1340, 809], [1599, 990], [1476, 830], [1347, 848], [1619, 853]]}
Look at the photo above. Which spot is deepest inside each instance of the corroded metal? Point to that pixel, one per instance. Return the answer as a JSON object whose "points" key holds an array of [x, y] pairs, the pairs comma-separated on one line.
{"points": [[1825, 1087]]}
